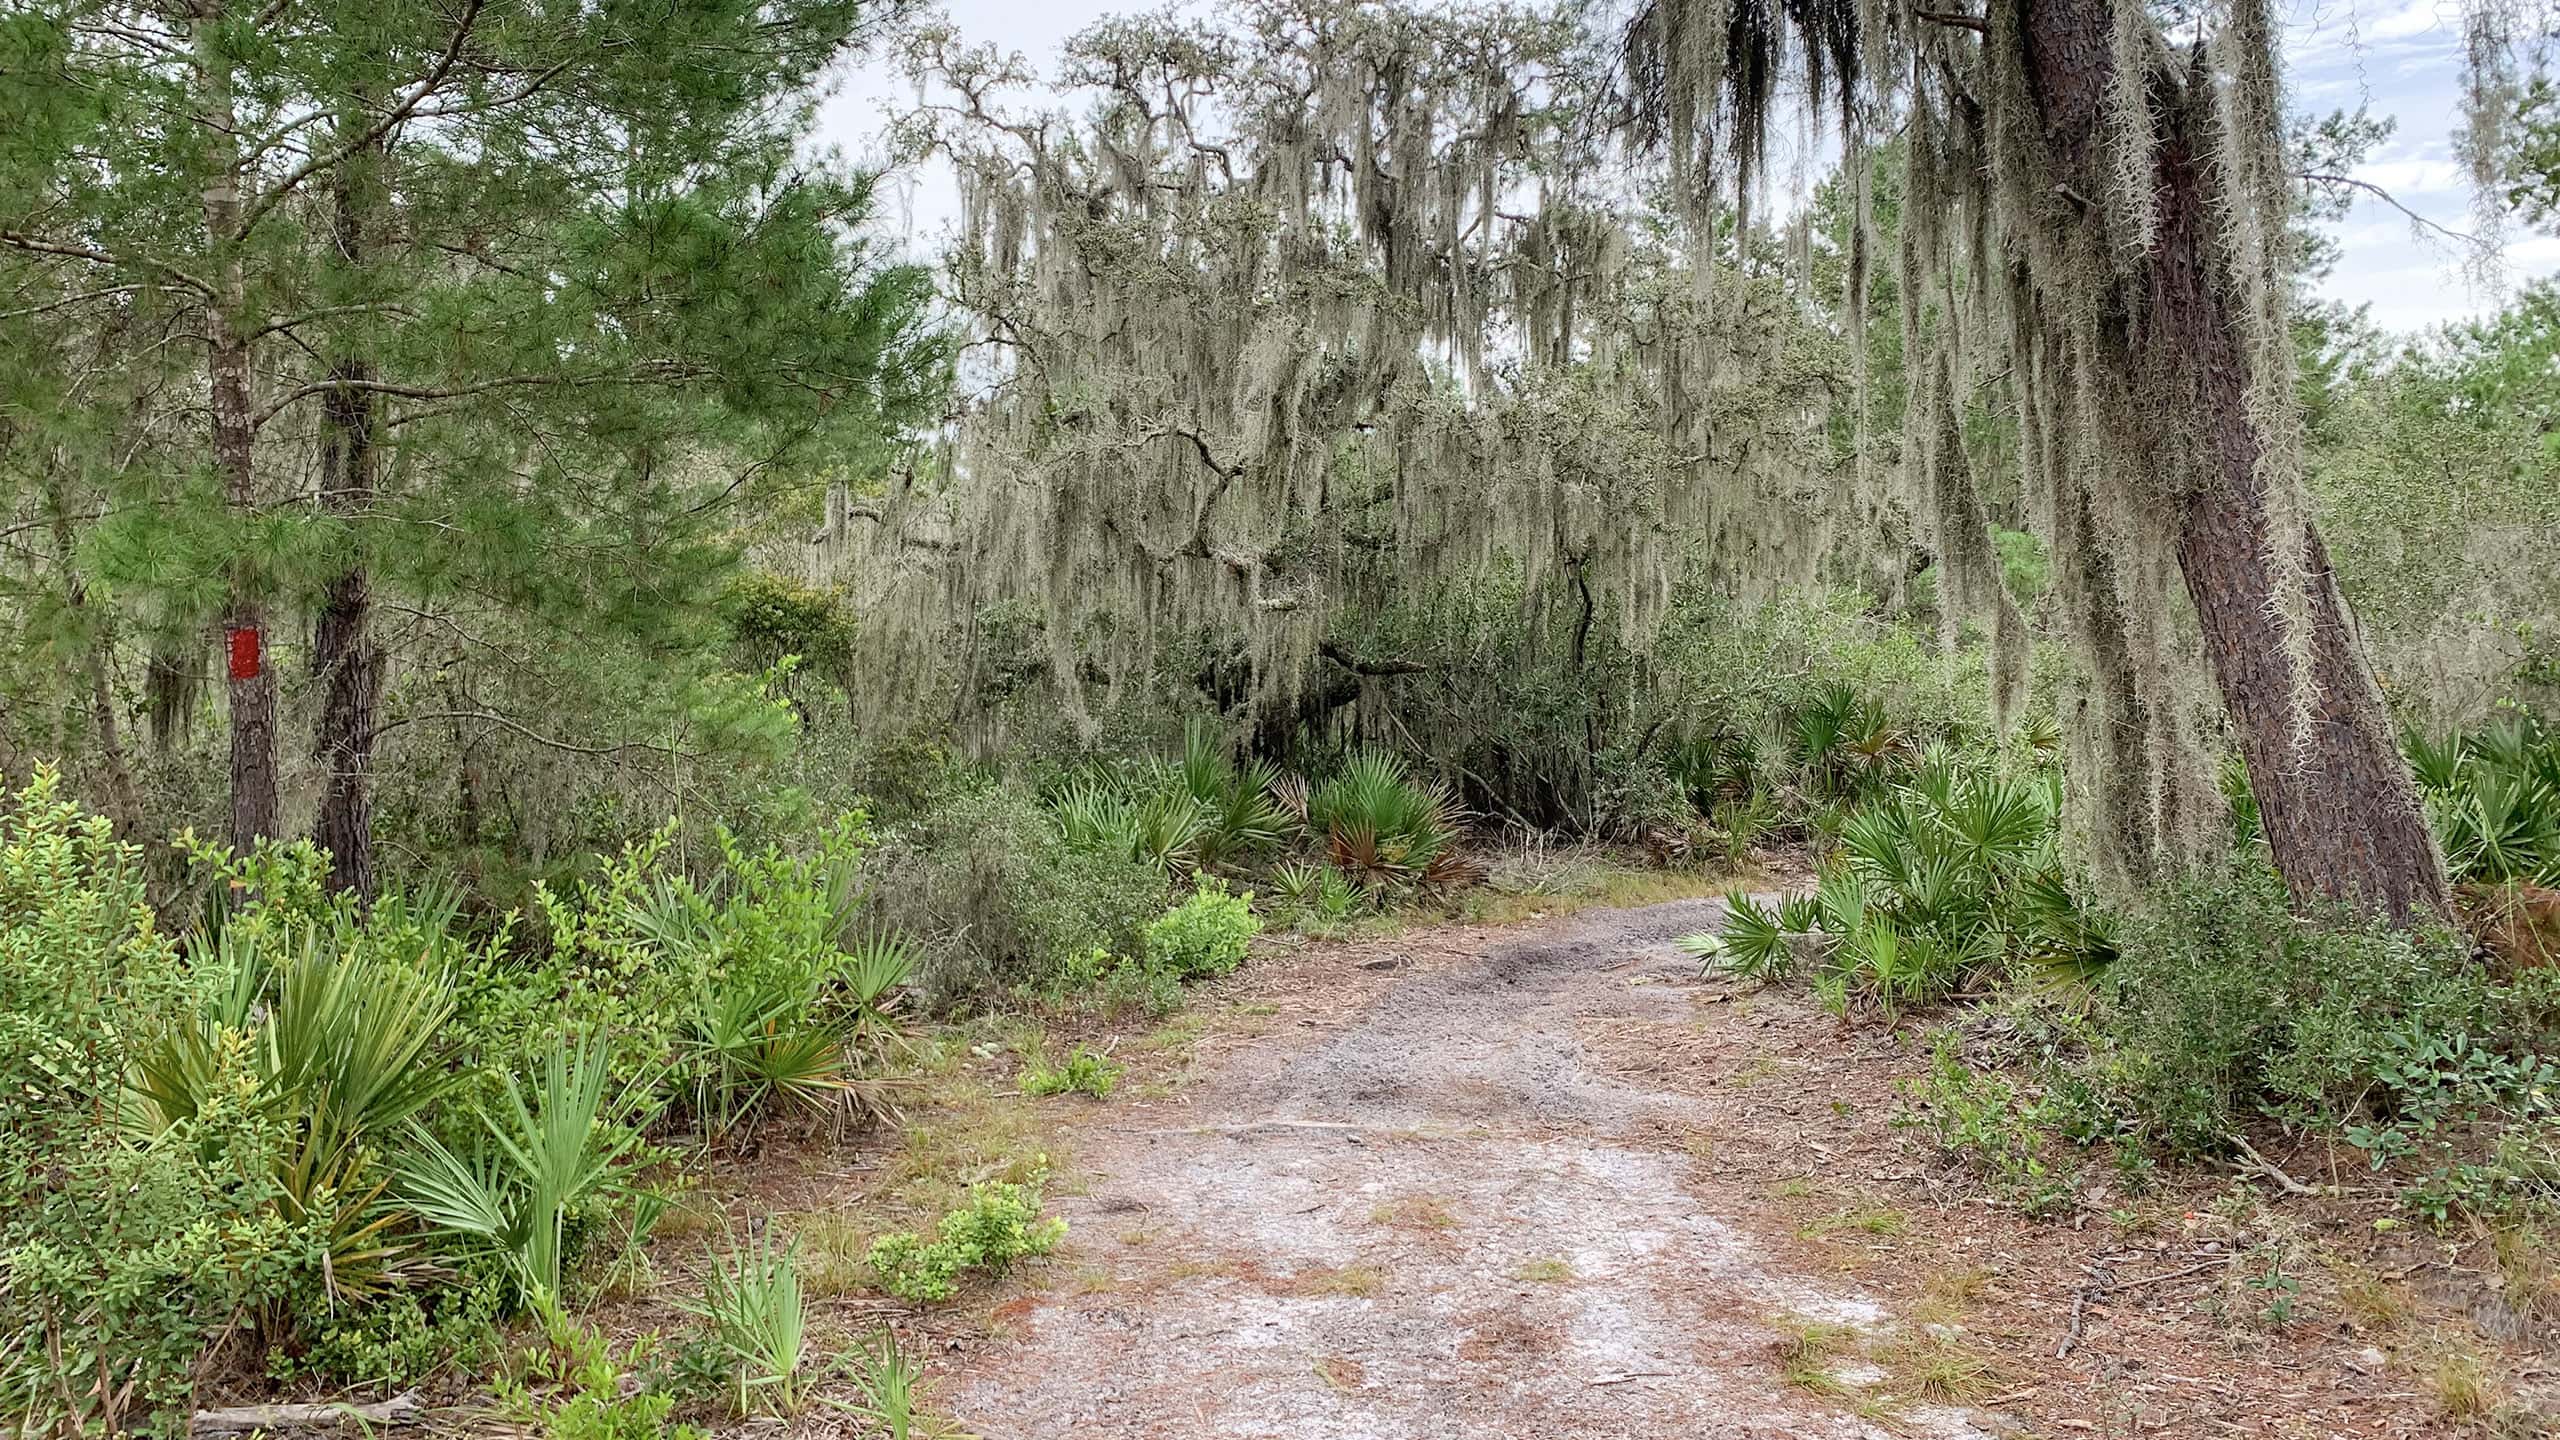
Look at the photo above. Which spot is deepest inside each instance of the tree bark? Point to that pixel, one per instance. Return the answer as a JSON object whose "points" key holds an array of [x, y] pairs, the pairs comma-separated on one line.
{"points": [[254, 804], [344, 659], [123, 799], [2340, 813]]}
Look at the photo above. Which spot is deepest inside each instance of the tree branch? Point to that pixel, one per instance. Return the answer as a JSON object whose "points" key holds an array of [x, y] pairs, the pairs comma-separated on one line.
{"points": [[653, 373], [2350, 182], [68, 301], [95, 256], [494, 718], [1339, 654], [338, 154]]}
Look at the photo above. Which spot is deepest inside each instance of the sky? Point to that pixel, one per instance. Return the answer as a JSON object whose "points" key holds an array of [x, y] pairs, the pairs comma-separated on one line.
{"points": [[2400, 58]]}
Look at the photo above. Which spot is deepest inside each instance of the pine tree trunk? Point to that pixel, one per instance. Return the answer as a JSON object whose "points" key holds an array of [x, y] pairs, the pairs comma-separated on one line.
{"points": [[2340, 812], [343, 657], [254, 804]]}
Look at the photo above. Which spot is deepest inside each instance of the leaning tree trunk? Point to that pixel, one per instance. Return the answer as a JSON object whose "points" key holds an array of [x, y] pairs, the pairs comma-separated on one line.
{"points": [[254, 804], [2338, 808], [343, 657]]}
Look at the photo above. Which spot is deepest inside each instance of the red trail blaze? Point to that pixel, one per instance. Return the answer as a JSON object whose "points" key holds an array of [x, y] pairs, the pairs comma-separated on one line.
{"points": [[245, 657]]}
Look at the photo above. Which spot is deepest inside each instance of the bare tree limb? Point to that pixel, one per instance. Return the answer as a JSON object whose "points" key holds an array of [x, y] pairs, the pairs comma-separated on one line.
{"points": [[2349, 182]]}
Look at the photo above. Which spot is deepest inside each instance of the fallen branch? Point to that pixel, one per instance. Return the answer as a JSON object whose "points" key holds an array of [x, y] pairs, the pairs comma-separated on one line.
{"points": [[1621, 1377], [2198, 1268], [2092, 1293], [401, 1409], [2268, 1168]]}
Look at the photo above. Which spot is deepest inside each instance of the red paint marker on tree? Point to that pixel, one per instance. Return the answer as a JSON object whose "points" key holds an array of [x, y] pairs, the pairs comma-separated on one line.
{"points": [[246, 657]]}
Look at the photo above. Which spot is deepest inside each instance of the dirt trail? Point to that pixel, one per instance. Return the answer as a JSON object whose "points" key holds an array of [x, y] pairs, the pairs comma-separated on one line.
{"points": [[1459, 1185]]}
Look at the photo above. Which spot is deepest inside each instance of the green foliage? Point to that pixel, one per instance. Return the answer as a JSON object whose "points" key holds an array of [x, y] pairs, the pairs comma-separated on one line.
{"points": [[1161, 825], [408, 1335], [771, 619], [757, 1313], [2438, 479], [1207, 934], [1950, 878], [2225, 1005], [998, 899], [123, 1257], [620, 320], [1984, 1121], [545, 1165], [1240, 812], [1296, 883], [2493, 796], [1383, 829], [2026, 567], [998, 1226], [571, 1388], [886, 1379], [340, 1055], [1084, 1071]]}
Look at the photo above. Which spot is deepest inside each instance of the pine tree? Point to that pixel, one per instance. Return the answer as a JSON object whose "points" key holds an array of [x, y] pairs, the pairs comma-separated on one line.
{"points": [[500, 302]]}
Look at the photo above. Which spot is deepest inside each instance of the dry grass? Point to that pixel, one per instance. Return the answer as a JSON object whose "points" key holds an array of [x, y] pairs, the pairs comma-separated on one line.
{"points": [[2370, 1301], [2528, 1276], [1809, 1354], [1359, 1282], [1938, 1366], [1540, 882], [1946, 1295], [1415, 1212], [1869, 1220], [2465, 1390], [969, 1137], [1544, 1270]]}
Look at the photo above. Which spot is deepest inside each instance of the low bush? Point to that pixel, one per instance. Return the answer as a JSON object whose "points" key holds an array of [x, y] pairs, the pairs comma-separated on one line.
{"points": [[572, 1387], [1950, 879], [760, 1319], [1986, 1122], [1207, 934], [1385, 829], [998, 900], [130, 1241], [2225, 1005], [2493, 796], [999, 1226], [350, 1136], [1085, 1072]]}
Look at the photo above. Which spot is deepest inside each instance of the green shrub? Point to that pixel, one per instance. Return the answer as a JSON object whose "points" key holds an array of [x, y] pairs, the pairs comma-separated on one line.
{"points": [[1952, 877], [2494, 798], [999, 1226], [1382, 827], [2225, 1004], [572, 1387], [1084, 1072], [760, 1318], [1207, 934], [556, 1156], [1241, 814], [1982, 1120], [123, 1253], [998, 900]]}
